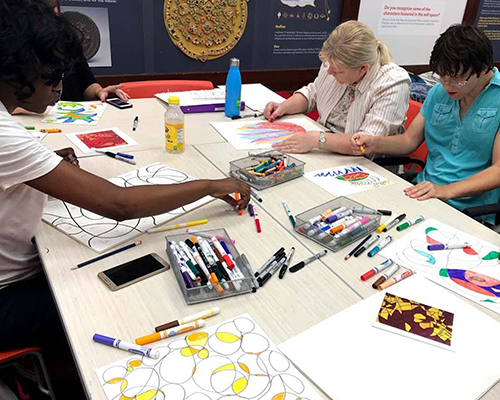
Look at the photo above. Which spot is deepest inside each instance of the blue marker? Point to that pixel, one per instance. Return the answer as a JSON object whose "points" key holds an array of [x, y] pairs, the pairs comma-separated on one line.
{"points": [[380, 246], [129, 156], [131, 347]]}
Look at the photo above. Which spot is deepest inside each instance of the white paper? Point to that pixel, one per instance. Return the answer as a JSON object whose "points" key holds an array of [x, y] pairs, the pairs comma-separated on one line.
{"points": [[76, 113], [231, 360], [478, 263], [259, 133], [39, 135], [116, 134], [100, 233], [186, 99], [256, 96], [347, 179], [349, 359]]}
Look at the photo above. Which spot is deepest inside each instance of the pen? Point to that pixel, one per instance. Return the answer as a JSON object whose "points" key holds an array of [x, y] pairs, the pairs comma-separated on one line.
{"points": [[287, 262], [380, 246], [256, 218], [55, 130], [375, 270], [183, 225], [269, 262], [386, 275], [271, 271], [433, 247], [395, 279], [131, 347], [395, 222], [410, 223], [364, 210], [384, 225], [136, 121], [111, 253], [115, 156], [117, 153], [357, 247], [366, 246], [178, 330], [255, 195], [302, 264], [290, 216], [256, 115]]}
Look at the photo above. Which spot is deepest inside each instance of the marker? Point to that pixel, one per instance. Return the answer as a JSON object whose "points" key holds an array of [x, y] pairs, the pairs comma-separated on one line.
{"points": [[237, 197], [356, 233], [270, 261], [345, 225], [383, 226], [356, 139], [111, 253], [395, 222], [136, 121], [366, 246], [29, 128], [124, 155], [433, 247], [131, 347], [116, 156], [50, 130], [271, 271], [380, 246], [410, 223], [256, 196], [256, 115], [375, 270], [177, 226], [328, 213], [178, 330], [365, 210], [290, 216], [256, 218], [287, 263], [395, 279], [222, 252], [359, 223], [390, 272], [302, 264], [357, 247]]}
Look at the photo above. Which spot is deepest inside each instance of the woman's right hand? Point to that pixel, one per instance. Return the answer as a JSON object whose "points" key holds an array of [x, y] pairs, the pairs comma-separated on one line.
{"points": [[274, 110], [222, 189], [363, 144]]}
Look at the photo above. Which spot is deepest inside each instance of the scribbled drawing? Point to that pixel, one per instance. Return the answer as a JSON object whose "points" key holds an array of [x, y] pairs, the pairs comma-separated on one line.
{"points": [[472, 272], [416, 320], [268, 133], [102, 139], [234, 360], [76, 113], [101, 233]]}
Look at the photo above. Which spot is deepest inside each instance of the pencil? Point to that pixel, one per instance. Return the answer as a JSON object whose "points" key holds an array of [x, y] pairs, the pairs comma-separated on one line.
{"points": [[184, 225], [129, 246]]}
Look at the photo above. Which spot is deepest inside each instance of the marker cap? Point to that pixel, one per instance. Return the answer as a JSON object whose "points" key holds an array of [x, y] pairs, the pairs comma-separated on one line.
{"points": [[367, 275], [103, 339]]}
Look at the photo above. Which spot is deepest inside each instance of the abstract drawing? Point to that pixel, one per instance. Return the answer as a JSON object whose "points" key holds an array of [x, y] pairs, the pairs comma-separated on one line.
{"points": [[416, 320], [234, 360], [100, 233], [106, 139], [75, 113], [260, 133], [473, 272], [347, 179]]}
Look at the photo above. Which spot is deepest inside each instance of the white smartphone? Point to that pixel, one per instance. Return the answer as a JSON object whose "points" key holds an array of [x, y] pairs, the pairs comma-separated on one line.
{"points": [[133, 271], [118, 103]]}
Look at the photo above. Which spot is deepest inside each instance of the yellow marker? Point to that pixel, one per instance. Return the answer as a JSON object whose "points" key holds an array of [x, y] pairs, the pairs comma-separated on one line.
{"points": [[177, 226], [50, 130], [360, 146], [386, 223], [178, 330]]}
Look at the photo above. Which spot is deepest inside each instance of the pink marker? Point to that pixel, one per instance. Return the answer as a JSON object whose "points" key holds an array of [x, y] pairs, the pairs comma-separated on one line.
{"points": [[350, 228]]}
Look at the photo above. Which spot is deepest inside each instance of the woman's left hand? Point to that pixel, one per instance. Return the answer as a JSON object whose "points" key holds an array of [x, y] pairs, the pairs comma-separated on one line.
{"points": [[104, 93], [426, 190], [299, 143]]}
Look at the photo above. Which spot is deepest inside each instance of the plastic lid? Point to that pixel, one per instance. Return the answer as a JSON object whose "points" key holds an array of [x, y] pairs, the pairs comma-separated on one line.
{"points": [[173, 100], [235, 62]]}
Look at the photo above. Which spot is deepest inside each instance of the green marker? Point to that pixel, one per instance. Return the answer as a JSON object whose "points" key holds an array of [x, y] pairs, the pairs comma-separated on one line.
{"points": [[290, 215], [29, 128], [410, 223]]}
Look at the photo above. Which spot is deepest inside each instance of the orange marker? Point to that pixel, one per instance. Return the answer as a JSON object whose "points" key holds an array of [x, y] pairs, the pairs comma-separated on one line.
{"points": [[178, 330], [346, 224], [50, 130], [237, 198]]}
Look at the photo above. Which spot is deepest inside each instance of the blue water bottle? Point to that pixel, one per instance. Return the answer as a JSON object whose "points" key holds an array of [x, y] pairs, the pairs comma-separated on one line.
{"points": [[233, 89]]}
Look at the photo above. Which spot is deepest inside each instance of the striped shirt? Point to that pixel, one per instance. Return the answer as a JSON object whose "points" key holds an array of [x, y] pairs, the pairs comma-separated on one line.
{"points": [[380, 102]]}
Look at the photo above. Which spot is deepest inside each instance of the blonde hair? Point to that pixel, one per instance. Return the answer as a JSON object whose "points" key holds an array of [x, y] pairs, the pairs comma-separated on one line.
{"points": [[354, 44]]}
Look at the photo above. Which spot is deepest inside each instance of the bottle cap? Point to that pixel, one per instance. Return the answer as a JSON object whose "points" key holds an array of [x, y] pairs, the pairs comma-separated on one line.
{"points": [[235, 62], [173, 100]]}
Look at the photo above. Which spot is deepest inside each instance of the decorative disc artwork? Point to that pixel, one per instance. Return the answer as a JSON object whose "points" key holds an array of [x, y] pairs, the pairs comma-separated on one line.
{"points": [[205, 29]]}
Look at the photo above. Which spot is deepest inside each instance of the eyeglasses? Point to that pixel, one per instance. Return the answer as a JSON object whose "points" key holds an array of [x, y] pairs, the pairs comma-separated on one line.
{"points": [[454, 84], [54, 78]]}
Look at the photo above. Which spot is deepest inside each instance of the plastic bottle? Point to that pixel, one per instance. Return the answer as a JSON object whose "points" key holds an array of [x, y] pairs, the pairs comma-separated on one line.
{"points": [[233, 89], [174, 127]]}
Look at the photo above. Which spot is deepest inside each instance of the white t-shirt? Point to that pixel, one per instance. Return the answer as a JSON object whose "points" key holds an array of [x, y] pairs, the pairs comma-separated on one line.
{"points": [[22, 158]]}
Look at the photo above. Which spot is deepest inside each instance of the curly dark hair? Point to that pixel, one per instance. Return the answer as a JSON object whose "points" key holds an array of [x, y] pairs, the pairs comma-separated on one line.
{"points": [[35, 44], [462, 48]]}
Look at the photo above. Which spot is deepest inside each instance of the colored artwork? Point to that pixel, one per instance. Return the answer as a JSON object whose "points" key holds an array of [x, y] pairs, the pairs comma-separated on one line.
{"points": [[347, 179], [416, 320], [233, 360], [473, 272], [258, 133], [106, 139], [101, 233], [75, 113]]}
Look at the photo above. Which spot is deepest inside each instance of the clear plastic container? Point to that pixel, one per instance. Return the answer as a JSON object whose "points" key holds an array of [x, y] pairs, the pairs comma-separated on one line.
{"points": [[174, 127], [239, 170]]}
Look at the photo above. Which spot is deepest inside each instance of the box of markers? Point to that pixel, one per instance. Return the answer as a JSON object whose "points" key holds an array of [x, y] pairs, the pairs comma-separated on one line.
{"points": [[266, 169], [337, 223], [208, 267]]}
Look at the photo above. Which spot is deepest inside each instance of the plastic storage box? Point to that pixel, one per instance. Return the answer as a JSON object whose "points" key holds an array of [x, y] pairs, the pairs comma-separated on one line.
{"points": [[238, 170], [208, 292], [316, 233]]}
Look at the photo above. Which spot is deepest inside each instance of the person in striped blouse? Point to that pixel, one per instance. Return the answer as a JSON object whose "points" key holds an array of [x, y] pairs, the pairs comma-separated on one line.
{"points": [[358, 90]]}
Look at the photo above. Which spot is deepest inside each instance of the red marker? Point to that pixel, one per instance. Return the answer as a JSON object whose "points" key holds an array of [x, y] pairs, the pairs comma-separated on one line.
{"points": [[256, 217], [375, 270]]}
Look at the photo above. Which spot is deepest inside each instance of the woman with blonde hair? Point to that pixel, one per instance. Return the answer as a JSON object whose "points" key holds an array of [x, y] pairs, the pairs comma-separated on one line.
{"points": [[358, 89]]}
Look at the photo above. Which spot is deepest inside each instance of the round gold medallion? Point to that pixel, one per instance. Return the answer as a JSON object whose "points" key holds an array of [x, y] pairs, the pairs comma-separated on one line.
{"points": [[205, 29]]}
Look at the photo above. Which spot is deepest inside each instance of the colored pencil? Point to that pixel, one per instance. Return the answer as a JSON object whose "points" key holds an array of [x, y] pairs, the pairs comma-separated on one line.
{"points": [[111, 253]]}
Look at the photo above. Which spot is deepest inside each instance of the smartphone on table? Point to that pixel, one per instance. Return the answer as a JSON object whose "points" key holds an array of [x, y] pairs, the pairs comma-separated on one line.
{"points": [[119, 103], [133, 271]]}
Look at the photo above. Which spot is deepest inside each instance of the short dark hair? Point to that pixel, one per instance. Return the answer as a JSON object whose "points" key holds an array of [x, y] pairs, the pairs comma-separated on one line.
{"points": [[461, 48], [34, 42]]}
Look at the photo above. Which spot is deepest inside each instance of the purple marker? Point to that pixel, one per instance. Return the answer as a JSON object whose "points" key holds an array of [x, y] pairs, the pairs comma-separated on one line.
{"points": [[250, 209], [433, 247], [131, 347]]}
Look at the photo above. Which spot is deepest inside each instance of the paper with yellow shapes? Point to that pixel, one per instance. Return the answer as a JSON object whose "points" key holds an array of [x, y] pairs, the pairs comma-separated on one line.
{"points": [[232, 360], [416, 321]]}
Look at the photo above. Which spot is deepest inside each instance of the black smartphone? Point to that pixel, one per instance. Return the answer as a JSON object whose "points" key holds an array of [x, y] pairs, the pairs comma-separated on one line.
{"points": [[118, 103], [133, 271]]}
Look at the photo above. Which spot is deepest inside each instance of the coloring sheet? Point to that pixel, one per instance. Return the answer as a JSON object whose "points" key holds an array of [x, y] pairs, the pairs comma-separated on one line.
{"points": [[232, 360], [473, 272], [259, 133], [100, 233], [347, 179], [105, 139], [75, 113]]}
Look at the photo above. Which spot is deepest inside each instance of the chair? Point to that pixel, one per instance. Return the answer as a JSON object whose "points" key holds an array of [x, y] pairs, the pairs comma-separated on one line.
{"points": [[148, 89], [9, 357], [478, 211]]}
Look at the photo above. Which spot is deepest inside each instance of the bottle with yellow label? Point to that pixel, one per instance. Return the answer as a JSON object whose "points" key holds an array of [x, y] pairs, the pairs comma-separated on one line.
{"points": [[174, 126]]}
